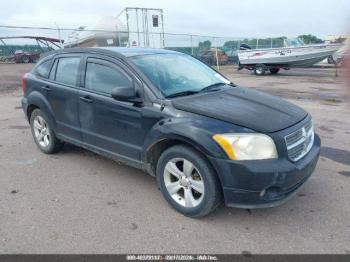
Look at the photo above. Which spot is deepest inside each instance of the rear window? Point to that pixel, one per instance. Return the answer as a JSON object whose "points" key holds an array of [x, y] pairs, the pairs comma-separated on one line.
{"points": [[67, 70], [43, 69]]}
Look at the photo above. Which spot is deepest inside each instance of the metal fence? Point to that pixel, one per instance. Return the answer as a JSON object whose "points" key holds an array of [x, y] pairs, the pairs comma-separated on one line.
{"points": [[213, 50]]}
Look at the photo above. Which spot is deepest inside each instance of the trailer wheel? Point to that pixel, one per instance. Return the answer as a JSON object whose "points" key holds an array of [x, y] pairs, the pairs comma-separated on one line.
{"points": [[260, 69], [274, 71]]}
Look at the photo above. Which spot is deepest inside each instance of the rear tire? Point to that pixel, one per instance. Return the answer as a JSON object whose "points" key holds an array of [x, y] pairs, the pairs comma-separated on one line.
{"points": [[188, 182], [43, 134], [260, 69], [26, 59], [274, 71]]}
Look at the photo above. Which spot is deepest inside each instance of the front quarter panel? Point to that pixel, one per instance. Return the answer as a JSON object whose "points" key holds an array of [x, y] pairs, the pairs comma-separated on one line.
{"points": [[194, 130]]}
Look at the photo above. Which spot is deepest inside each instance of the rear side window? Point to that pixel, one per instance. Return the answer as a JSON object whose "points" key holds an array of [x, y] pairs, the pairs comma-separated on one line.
{"points": [[43, 69], [103, 78], [53, 70], [67, 70]]}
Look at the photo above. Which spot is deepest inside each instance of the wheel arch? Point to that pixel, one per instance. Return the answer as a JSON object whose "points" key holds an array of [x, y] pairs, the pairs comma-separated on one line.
{"points": [[163, 145], [156, 149], [36, 100], [30, 110]]}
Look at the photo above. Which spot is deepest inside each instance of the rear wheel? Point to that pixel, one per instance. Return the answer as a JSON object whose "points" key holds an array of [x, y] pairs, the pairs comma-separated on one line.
{"points": [[188, 182], [43, 134], [26, 59], [260, 69], [274, 71]]}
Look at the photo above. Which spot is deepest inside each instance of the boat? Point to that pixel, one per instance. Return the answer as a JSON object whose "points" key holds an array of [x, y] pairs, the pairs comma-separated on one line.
{"points": [[294, 53], [108, 31]]}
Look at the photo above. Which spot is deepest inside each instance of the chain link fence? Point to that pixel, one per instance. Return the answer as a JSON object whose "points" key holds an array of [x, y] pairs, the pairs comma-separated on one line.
{"points": [[17, 43]]}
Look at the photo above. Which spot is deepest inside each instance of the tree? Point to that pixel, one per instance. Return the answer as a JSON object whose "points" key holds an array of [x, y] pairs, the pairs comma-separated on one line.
{"points": [[231, 44], [310, 39], [204, 45]]}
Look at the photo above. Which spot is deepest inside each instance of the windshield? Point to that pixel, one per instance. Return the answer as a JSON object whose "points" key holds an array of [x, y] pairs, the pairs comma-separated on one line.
{"points": [[177, 73], [293, 42]]}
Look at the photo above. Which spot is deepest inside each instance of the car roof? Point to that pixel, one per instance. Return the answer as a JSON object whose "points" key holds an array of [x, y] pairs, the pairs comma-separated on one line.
{"points": [[136, 51], [119, 51]]}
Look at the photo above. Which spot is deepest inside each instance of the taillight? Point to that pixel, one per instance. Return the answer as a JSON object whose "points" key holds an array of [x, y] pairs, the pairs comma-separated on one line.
{"points": [[24, 84]]}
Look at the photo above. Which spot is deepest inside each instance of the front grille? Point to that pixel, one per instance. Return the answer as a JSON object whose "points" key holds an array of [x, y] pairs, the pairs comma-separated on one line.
{"points": [[300, 142]]}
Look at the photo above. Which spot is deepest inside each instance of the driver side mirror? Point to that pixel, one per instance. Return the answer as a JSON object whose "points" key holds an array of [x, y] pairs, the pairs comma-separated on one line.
{"points": [[126, 93]]}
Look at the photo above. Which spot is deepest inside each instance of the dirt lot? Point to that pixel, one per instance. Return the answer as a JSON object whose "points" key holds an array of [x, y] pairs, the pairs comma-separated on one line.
{"points": [[79, 202]]}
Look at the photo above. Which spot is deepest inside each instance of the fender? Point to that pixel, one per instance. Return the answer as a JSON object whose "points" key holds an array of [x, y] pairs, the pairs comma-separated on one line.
{"points": [[39, 100], [189, 130]]}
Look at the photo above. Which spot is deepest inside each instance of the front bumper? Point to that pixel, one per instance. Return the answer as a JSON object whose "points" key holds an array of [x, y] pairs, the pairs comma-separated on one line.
{"points": [[264, 183]]}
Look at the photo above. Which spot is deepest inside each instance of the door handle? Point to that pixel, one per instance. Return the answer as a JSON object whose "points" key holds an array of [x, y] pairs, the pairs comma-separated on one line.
{"points": [[46, 88], [86, 99]]}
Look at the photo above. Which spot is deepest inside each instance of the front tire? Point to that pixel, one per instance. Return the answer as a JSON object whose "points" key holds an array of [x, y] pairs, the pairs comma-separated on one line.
{"points": [[188, 182], [43, 134]]}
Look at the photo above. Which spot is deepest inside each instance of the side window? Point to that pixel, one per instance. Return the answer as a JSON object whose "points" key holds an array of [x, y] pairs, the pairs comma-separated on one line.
{"points": [[42, 70], [67, 70], [103, 78]]}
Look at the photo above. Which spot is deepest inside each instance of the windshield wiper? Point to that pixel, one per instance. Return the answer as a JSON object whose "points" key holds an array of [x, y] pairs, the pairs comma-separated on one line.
{"points": [[183, 93], [212, 87]]}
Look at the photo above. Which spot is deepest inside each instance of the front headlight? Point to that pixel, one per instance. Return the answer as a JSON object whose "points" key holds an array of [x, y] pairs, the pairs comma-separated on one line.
{"points": [[247, 146]]}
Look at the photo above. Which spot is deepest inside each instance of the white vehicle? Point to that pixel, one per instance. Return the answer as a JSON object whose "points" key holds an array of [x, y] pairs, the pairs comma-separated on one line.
{"points": [[338, 57], [294, 54], [108, 31]]}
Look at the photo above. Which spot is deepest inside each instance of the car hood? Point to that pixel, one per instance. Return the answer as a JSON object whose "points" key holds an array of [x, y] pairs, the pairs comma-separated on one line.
{"points": [[245, 107]]}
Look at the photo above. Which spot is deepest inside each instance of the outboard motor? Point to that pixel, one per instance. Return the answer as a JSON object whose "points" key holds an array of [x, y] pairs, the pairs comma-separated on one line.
{"points": [[244, 47]]}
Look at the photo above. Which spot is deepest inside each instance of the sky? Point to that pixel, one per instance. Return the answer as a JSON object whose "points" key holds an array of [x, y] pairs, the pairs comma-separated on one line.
{"points": [[235, 18]]}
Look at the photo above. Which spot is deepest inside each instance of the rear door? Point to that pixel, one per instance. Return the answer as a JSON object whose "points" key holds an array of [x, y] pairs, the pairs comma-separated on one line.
{"points": [[107, 124], [62, 93]]}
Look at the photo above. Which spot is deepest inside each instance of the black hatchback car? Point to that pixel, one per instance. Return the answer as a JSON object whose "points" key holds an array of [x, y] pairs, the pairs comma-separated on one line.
{"points": [[203, 138]]}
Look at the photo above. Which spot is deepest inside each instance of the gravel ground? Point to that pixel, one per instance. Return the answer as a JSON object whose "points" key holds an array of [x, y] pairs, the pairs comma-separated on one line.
{"points": [[79, 202]]}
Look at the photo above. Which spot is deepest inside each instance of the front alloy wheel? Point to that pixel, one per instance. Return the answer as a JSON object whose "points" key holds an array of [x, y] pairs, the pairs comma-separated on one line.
{"points": [[183, 182], [188, 182]]}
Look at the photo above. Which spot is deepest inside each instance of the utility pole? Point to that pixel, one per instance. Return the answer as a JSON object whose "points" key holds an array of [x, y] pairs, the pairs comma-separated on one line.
{"points": [[59, 34]]}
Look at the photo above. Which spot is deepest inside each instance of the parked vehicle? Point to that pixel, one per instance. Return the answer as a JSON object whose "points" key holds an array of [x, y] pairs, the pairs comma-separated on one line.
{"points": [[107, 31], [339, 56], [294, 54], [232, 56], [209, 57], [26, 57], [203, 138]]}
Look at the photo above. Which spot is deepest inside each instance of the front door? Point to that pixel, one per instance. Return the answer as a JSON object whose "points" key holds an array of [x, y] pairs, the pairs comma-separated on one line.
{"points": [[107, 124]]}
